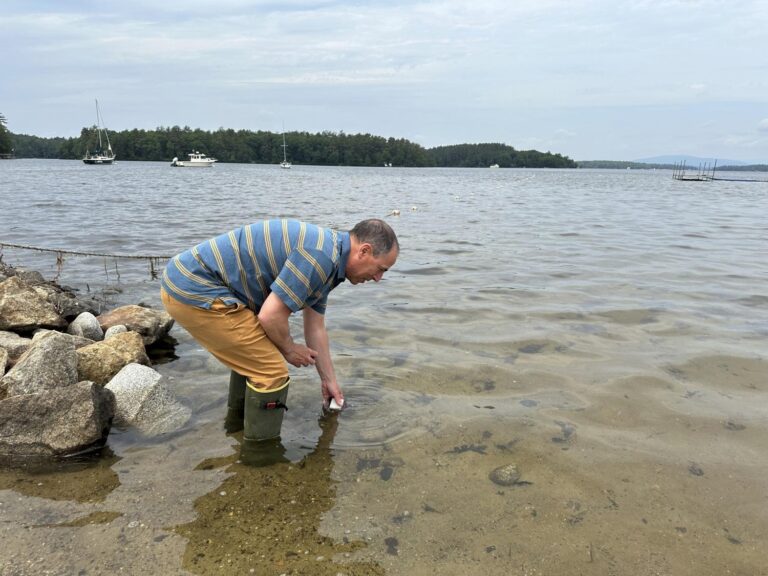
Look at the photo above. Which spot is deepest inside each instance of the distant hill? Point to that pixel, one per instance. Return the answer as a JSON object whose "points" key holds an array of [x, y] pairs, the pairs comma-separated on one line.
{"points": [[622, 165], [627, 165], [692, 161]]}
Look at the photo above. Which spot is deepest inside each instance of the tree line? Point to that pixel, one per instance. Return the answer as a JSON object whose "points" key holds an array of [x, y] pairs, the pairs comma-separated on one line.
{"points": [[484, 155], [6, 141], [260, 147]]}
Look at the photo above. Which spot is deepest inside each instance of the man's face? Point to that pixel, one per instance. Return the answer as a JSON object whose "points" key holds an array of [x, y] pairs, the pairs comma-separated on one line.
{"points": [[364, 266]]}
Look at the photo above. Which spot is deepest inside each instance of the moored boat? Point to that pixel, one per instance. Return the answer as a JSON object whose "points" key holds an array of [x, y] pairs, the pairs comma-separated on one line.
{"points": [[284, 163], [196, 159], [100, 156]]}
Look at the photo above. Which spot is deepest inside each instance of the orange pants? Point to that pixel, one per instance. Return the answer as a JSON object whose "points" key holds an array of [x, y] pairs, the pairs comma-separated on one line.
{"points": [[233, 334]]}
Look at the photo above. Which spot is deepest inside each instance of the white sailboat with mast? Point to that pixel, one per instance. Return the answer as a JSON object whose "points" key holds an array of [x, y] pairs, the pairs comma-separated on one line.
{"points": [[284, 163], [101, 156]]}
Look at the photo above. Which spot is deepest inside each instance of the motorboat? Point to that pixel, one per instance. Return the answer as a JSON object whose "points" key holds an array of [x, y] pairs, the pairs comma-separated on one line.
{"points": [[100, 156], [196, 159]]}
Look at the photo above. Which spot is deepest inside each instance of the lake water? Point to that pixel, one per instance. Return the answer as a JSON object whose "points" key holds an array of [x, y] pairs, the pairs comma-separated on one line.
{"points": [[603, 331]]}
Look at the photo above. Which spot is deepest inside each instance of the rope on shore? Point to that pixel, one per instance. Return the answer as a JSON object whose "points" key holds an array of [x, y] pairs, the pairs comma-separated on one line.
{"points": [[154, 260]]}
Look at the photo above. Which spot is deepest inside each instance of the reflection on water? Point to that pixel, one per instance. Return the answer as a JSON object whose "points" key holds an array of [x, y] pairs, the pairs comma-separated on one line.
{"points": [[88, 478], [264, 518], [603, 332]]}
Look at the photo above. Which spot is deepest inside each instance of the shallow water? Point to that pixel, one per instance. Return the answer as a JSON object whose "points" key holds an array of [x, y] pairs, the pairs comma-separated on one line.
{"points": [[605, 331]]}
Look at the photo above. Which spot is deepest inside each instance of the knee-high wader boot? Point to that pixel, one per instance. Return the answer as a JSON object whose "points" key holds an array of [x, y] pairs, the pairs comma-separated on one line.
{"points": [[235, 403], [264, 412]]}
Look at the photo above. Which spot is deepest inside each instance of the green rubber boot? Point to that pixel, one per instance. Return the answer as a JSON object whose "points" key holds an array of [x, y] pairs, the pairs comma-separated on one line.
{"points": [[235, 403], [262, 453], [264, 412]]}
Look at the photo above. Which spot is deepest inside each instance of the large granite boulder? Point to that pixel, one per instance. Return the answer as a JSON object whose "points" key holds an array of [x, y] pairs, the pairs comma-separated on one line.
{"points": [[100, 361], [14, 344], [57, 422], [78, 341], [87, 326], [151, 324], [23, 309], [3, 361], [50, 362], [145, 401]]}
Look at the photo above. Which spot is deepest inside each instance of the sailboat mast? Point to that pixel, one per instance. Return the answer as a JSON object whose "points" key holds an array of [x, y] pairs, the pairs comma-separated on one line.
{"points": [[98, 124]]}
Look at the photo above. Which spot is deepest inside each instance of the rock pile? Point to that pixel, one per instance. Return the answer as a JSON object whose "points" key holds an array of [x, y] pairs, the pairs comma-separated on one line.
{"points": [[66, 371]]}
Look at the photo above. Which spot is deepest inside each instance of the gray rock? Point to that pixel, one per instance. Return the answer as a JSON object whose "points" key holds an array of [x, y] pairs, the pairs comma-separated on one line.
{"points": [[23, 309], [101, 361], [507, 475], [70, 307], [151, 324], [14, 344], [3, 361], [30, 277], [87, 326], [78, 341], [145, 401], [50, 362], [116, 329], [57, 422]]}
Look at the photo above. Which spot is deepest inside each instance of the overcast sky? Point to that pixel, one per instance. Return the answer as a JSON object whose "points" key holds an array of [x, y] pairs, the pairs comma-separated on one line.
{"points": [[599, 79]]}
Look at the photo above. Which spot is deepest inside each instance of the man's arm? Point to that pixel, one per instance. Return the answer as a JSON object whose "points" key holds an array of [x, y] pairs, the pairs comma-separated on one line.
{"points": [[273, 317], [316, 336]]}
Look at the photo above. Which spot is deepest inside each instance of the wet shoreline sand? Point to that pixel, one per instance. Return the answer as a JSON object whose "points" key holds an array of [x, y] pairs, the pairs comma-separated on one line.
{"points": [[608, 341], [643, 478]]}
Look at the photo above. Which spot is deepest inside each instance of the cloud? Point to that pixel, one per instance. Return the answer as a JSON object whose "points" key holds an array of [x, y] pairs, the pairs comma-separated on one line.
{"points": [[441, 71]]}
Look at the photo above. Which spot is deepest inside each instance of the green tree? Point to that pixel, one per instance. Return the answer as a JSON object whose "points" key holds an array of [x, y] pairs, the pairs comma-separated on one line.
{"points": [[6, 143]]}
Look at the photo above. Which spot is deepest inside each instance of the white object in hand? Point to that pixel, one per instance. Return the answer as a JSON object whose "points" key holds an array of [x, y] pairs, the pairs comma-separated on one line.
{"points": [[335, 405]]}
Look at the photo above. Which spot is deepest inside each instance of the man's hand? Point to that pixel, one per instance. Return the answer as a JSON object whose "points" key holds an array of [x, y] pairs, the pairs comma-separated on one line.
{"points": [[316, 336], [300, 355], [331, 390]]}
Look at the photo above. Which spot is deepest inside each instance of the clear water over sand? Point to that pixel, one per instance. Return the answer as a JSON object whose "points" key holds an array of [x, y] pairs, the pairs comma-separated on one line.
{"points": [[604, 331]]}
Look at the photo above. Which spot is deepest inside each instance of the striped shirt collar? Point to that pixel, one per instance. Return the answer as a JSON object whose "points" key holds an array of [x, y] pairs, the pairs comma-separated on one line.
{"points": [[344, 249]]}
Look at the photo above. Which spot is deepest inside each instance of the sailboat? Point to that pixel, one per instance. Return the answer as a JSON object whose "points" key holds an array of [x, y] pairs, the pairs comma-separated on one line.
{"points": [[284, 163], [101, 156]]}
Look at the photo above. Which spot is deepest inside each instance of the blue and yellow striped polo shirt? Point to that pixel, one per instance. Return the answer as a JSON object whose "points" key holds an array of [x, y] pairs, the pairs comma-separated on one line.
{"points": [[300, 262]]}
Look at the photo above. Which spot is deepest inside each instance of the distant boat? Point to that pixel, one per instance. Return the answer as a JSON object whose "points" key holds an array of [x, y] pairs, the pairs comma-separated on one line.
{"points": [[196, 160], [493, 166], [284, 163], [101, 156]]}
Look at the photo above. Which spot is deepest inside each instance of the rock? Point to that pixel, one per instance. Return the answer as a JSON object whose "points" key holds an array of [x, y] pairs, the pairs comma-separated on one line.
{"points": [[57, 422], [23, 309], [116, 329], [78, 341], [151, 324], [30, 277], [70, 307], [101, 361], [50, 362], [3, 361], [507, 475], [14, 344], [87, 326], [145, 401]]}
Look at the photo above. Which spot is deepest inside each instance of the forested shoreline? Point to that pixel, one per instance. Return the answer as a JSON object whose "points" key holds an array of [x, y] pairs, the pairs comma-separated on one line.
{"points": [[261, 147]]}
